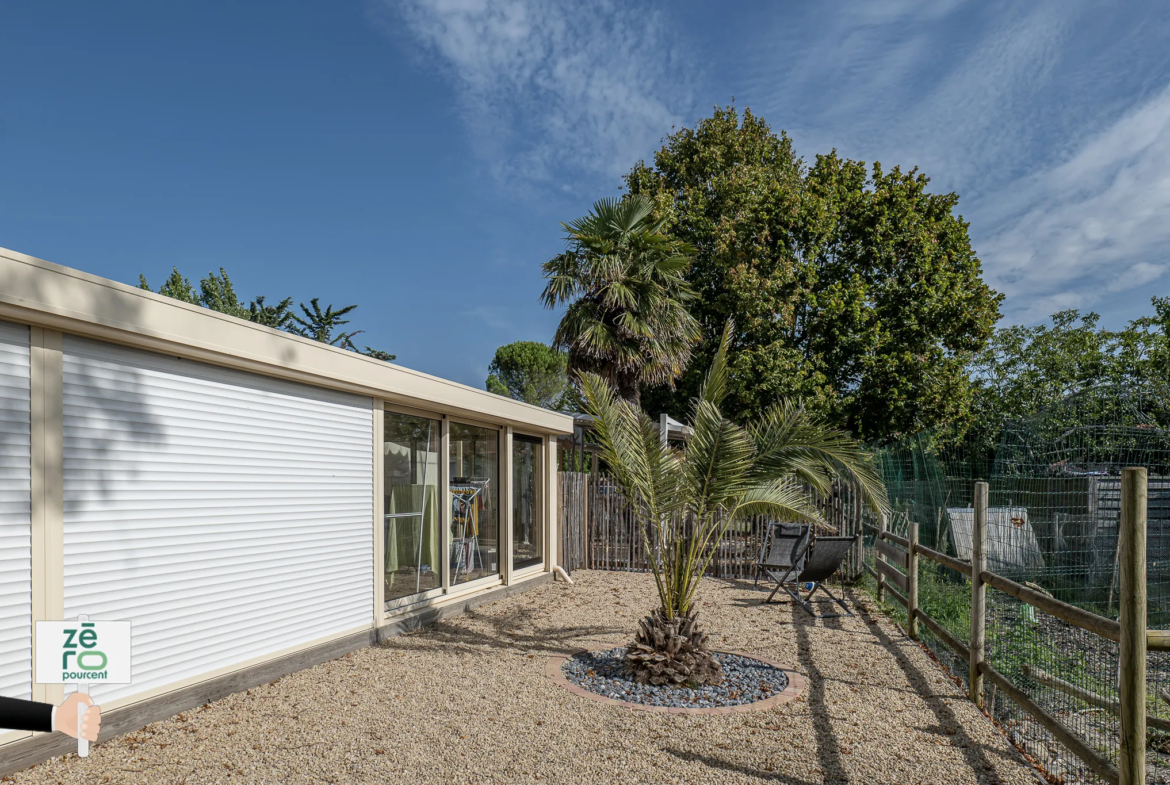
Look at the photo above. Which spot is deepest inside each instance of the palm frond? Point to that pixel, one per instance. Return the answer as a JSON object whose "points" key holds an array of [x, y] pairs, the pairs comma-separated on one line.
{"points": [[791, 442], [784, 500], [718, 461], [714, 387]]}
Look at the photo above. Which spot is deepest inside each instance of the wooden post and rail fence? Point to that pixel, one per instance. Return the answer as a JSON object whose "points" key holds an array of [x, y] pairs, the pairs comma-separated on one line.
{"points": [[896, 568]]}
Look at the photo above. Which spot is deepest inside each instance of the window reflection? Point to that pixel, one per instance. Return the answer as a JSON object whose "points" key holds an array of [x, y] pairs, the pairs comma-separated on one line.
{"points": [[475, 488], [411, 487], [527, 502]]}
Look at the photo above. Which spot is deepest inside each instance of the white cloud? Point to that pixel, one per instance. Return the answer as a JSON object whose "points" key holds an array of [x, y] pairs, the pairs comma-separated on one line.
{"points": [[1093, 224], [553, 91], [1051, 119], [1140, 274]]}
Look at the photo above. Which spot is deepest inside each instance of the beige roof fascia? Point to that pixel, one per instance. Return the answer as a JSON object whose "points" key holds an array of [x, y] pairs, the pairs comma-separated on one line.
{"points": [[36, 292]]}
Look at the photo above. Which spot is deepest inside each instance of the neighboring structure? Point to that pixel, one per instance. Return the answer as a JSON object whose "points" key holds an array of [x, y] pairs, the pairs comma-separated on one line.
{"points": [[242, 495]]}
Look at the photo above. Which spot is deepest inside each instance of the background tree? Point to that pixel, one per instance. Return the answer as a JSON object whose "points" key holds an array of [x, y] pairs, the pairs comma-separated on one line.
{"points": [[532, 372], [378, 354], [279, 316], [175, 286], [1025, 370], [623, 278], [320, 325], [853, 289], [217, 293]]}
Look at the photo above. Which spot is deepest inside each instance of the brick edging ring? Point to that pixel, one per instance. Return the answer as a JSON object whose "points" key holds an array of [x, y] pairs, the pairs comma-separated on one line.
{"points": [[796, 683]]}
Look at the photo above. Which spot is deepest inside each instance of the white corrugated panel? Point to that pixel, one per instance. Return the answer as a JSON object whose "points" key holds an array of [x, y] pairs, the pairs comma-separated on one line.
{"points": [[227, 515], [15, 515]]}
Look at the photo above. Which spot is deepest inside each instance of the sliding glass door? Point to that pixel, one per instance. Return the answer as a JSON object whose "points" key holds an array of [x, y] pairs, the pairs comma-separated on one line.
{"points": [[413, 542], [474, 455], [527, 501]]}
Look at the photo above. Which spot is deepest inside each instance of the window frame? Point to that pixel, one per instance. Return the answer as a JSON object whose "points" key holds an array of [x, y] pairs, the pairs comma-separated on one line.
{"points": [[540, 508]]}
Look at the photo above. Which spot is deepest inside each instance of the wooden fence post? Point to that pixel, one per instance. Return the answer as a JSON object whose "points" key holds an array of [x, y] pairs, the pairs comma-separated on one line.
{"points": [[881, 589], [978, 593], [594, 483], [1132, 555], [912, 583]]}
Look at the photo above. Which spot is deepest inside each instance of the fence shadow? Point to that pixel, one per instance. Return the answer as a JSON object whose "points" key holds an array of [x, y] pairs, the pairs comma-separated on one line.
{"points": [[948, 726]]}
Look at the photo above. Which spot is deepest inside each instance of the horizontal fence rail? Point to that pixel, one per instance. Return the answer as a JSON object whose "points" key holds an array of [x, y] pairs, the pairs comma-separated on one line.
{"points": [[895, 563]]}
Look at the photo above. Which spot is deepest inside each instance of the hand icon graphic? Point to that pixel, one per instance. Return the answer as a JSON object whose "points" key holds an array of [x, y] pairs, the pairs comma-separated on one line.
{"points": [[65, 718]]}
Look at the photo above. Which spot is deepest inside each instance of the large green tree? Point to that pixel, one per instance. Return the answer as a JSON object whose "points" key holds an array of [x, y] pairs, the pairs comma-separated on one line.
{"points": [[622, 277], [853, 288], [532, 372]]}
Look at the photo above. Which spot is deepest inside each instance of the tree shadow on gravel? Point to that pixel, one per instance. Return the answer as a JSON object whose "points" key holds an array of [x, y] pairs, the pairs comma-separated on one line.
{"points": [[508, 631], [948, 726], [760, 774]]}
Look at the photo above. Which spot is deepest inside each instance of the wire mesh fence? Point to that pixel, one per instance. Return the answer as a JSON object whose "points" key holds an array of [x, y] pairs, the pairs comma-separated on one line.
{"points": [[1053, 524]]}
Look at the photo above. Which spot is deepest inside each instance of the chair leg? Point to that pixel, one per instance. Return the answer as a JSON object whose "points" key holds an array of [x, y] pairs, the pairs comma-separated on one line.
{"points": [[779, 583], [801, 601]]}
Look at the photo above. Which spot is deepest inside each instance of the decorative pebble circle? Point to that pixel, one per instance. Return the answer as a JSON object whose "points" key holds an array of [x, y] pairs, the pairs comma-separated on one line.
{"points": [[745, 681]]}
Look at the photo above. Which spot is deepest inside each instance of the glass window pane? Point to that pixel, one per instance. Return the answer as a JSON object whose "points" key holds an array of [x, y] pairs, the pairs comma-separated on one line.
{"points": [[475, 513], [411, 487], [527, 502]]}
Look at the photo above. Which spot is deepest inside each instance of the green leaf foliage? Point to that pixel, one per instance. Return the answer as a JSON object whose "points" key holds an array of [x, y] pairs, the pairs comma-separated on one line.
{"points": [[378, 354], [853, 288], [1026, 370], [532, 372], [217, 293], [176, 287], [320, 325], [686, 499], [279, 316], [622, 277]]}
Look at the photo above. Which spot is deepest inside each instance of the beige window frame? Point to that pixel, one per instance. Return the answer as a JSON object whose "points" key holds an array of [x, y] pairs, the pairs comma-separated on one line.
{"points": [[397, 605], [540, 508], [504, 562]]}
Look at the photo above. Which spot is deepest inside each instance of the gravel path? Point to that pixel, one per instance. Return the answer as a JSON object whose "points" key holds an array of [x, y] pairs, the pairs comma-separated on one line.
{"points": [[466, 701]]}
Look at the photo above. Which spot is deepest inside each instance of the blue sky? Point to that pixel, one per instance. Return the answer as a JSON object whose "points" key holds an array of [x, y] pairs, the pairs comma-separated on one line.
{"points": [[415, 157]]}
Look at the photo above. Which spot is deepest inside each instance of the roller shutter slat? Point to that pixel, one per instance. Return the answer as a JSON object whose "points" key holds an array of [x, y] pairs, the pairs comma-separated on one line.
{"points": [[227, 515], [15, 515]]}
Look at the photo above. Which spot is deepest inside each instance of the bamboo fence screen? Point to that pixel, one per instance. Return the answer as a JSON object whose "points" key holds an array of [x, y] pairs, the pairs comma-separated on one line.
{"points": [[600, 531]]}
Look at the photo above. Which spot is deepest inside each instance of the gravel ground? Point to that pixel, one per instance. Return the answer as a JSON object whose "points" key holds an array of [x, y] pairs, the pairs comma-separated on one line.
{"points": [[466, 701]]}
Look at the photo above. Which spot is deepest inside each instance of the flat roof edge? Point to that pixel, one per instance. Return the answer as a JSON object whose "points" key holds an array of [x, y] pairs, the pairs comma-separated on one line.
{"points": [[45, 294]]}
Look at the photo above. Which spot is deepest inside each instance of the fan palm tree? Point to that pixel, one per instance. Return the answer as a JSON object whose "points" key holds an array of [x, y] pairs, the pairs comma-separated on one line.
{"points": [[623, 276], [685, 500]]}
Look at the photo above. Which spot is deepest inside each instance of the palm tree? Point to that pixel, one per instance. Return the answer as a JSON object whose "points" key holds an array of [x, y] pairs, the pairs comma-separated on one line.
{"points": [[685, 500], [623, 276]]}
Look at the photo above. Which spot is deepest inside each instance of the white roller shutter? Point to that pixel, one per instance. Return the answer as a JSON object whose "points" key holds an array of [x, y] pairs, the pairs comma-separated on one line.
{"points": [[15, 515], [227, 515]]}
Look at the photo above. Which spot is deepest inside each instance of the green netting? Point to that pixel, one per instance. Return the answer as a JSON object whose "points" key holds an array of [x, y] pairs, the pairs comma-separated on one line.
{"points": [[1054, 483]]}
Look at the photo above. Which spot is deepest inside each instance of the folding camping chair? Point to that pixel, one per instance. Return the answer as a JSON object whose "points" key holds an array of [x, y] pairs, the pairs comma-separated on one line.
{"points": [[785, 547], [821, 558]]}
